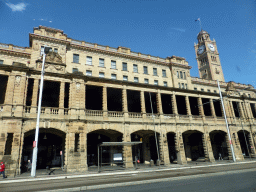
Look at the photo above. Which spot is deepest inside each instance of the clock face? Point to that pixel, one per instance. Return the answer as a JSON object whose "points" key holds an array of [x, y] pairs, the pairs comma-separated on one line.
{"points": [[211, 47], [201, 49]]}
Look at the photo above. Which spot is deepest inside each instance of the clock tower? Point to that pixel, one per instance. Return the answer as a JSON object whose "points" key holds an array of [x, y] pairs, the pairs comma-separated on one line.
{"points": [[207, 57]]}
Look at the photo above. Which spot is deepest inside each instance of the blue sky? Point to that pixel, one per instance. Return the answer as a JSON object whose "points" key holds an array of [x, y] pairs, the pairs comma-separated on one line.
{"points": [[159, 28]]}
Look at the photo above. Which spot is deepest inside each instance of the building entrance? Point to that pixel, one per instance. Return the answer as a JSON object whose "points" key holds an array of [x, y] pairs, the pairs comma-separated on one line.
{"points": [[219, 145], [51, 144], [171, 147], [193, 145], [244, 142], [147, 150], [97, 137]]}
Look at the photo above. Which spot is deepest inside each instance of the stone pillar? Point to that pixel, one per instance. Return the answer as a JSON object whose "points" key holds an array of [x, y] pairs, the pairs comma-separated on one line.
{"points": [[188, 106], [19, 96], [127, 151], [159, 103], [163, 149], [241, 112], [251, 145], [9, 90], [230, 157], [232, 109], [179, 145], [124, 103], [237, 147], [207, 147], [142, 104], [69, 150], [212, 108], [200, 107], [83, 153], [105, 101], [61, 98], [174, 104], [35, 93]]}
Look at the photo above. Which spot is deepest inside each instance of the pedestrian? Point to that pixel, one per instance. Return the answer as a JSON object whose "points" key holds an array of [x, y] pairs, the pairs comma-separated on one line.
{"points": [[2, 169], [220, 157], [29, 166]]}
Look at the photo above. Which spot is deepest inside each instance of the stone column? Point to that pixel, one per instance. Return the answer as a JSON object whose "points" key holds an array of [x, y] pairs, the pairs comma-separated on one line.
{"points": [[9, 91], [230, 157], [188, 106], [207, 147], [241, 112], [105, 101], [163, 149], [212, 108], [174, 105], [83, 152], [124, 99], [201, 108], [127, 151], [237, 147], [159, 103], [179, 146], [251, 144], [249, 110], [232, 109], [61, 98], [35, 93], [35, 96], [142, 104], [19, 96]]}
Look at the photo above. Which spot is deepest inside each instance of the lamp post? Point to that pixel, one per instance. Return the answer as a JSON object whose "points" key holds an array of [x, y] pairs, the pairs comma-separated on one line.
{"points": [[35, 143], [229, 136]]}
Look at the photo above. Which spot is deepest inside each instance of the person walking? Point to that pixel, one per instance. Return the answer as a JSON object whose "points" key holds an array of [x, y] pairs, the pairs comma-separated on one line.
{"points": [[2, 169]]}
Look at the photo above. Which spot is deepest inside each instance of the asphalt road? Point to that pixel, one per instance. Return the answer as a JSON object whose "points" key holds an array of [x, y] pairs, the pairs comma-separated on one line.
{"points": [[115, 179], [240, 181]]}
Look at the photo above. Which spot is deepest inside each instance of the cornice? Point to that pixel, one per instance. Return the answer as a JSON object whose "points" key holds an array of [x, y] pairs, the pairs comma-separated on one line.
{"points": [[16, 53], [180, 65], [32, 35]]}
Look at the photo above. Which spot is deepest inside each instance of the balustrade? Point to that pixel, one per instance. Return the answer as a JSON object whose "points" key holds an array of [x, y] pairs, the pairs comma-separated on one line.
{"points": [[150, 116], [135, 115], [94, 113], [115, 114]]}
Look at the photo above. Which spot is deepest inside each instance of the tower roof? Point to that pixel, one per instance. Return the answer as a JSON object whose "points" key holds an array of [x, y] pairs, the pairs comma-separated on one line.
{"points": [[202, 32]]}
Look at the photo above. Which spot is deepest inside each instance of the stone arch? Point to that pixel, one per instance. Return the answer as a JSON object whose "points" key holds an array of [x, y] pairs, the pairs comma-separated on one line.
{"points": [[194, 145], [51, 143], [98, 136], [219, 144], [246, 143], [31, 125], [148, 150]]}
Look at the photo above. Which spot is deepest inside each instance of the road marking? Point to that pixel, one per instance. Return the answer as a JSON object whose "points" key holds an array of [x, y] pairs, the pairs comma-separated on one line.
{"points": [[117, 173], [112, 185]]}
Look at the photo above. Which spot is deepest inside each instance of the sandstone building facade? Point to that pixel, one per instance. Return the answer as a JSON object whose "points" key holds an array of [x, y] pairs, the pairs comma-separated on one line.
{"points": [[94, 93]]}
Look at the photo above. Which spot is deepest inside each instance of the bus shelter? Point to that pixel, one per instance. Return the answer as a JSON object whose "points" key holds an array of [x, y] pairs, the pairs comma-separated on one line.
{"points": [[117, 157]]}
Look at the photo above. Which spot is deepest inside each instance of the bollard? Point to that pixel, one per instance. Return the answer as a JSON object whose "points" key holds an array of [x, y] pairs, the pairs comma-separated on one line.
{"points": [[157, 162], [151, 163]]}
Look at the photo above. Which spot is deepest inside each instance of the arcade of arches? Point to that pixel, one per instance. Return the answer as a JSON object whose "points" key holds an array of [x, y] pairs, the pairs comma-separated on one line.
{"points": [[79, 150]]}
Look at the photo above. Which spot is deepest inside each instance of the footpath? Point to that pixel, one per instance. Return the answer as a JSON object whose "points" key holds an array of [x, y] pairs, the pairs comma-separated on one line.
{"points": [[112, 176]]}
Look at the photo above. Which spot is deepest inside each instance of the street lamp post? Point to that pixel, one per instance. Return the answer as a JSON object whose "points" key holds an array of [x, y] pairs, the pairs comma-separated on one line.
{"points": [[35, 143], [229, 136]]}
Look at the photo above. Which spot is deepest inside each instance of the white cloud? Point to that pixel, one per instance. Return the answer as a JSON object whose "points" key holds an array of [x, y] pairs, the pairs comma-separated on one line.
{"points": [[179, 29], [50, 21], [17, 7]]}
